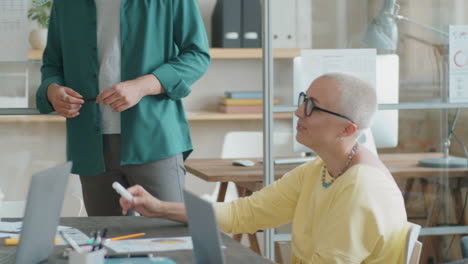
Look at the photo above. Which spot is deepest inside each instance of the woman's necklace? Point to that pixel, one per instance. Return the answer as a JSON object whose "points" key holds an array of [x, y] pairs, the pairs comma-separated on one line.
{"points": [[348, 161]]}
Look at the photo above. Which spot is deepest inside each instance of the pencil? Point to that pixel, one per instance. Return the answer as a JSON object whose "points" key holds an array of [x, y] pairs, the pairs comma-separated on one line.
{"points": [[128, 236]]}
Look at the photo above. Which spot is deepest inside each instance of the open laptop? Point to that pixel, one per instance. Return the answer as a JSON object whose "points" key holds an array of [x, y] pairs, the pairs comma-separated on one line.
{"points": [[204, 230], [41, 217]]}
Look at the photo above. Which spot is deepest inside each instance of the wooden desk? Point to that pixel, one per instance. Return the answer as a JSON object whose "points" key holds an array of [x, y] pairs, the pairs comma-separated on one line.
{"points": [[403, 166], [122, 225]]}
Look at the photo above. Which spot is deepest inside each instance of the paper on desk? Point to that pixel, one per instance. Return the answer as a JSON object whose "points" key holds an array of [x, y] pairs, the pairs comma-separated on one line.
{"points": [[79, 237], [151, 244], [10, 226], [63, 228], [10, 235], [15, 228]]}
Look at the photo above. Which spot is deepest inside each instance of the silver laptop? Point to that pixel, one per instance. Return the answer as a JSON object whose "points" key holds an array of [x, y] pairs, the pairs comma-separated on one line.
{"points": [[41, 217], [204, 230]]}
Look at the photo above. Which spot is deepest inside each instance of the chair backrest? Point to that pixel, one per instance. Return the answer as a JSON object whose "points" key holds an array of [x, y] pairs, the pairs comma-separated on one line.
{"points": [[242, 144], [12, 209], [245, 145], [249, 144], [413, 246]]}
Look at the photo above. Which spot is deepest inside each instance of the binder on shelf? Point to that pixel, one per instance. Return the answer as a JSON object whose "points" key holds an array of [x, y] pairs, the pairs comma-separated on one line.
{"points": [[244, 94], [226, 24], [251, 24], [291, 23], [283, 24]]}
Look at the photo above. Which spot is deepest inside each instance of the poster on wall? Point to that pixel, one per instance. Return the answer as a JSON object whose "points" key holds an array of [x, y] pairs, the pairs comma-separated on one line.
{"points": [[13, 30], [458, 64]]}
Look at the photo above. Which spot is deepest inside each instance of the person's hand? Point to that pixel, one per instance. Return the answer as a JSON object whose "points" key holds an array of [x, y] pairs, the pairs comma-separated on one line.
{"points": [[143, 203], [127, 94], [65, 100]]}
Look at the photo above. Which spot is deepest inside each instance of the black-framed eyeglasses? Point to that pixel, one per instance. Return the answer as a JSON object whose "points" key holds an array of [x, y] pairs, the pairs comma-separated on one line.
{"points": [[309, 107]]}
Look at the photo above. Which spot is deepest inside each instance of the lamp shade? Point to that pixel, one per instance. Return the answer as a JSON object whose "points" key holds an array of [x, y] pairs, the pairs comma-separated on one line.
{"points": [[382, 31]]}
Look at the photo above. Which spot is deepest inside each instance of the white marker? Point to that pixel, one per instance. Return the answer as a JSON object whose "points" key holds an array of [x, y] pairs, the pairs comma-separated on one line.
{"points": [[122, 191], [71, 242]]}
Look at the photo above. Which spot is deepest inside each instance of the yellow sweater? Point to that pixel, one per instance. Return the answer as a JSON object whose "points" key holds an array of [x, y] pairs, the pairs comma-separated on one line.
{"points": [[360, 218]]}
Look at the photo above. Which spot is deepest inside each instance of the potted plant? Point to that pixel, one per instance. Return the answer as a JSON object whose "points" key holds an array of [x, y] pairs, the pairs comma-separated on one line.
{"points": [[40, 13]]}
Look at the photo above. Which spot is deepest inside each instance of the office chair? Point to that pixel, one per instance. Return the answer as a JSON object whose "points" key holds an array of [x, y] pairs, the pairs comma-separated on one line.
{"points": [[413, 246]]}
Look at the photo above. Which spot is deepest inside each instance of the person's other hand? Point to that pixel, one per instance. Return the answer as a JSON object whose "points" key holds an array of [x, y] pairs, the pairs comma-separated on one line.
{"points": [[127, 94], [65, 100], [143, 203]]}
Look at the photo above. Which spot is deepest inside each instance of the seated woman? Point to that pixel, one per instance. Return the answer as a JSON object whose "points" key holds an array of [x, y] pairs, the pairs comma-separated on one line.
{"points": [[345, 206]]}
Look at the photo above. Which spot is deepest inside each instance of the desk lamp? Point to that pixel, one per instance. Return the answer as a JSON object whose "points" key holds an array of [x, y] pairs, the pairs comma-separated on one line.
{"points": [[382, 33]]}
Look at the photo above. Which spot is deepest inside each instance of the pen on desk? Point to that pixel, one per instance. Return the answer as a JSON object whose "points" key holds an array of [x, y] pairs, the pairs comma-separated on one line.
{"points": [[127, 236], [103, 237], [96, 233], [70, 242]]}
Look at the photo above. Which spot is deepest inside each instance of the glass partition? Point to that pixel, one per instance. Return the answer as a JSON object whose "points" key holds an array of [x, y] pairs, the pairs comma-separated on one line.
{"points": [[416, 32]]}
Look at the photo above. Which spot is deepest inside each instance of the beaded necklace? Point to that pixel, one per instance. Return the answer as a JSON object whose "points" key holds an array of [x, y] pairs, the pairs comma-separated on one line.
{"points": [[348, 161]]}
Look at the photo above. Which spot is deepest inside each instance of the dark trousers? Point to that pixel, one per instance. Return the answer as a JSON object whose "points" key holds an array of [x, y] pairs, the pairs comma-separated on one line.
{"points": [[164, 179]]}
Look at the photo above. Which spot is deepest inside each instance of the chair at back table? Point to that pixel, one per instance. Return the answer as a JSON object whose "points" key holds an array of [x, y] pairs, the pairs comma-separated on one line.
{"points": [[245, 145], [413, 246]]}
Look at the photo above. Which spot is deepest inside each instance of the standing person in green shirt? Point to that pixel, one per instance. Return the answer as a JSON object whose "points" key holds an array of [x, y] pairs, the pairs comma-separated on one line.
{"points": [[118, 70]]}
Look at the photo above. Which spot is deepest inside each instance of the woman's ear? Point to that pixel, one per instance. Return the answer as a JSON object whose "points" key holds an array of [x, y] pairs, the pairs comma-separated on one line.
{"points": [[349, 130]]}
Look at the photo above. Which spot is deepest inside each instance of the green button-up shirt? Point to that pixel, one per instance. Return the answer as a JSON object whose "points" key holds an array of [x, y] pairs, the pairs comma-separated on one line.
{"points": [[166, 38]]}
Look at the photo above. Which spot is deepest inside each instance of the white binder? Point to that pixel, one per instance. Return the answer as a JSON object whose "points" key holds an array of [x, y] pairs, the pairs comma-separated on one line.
{"points": [[291, 23]]}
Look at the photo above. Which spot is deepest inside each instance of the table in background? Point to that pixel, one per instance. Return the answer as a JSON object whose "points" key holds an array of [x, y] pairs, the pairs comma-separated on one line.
{"points": [[124, 225]]}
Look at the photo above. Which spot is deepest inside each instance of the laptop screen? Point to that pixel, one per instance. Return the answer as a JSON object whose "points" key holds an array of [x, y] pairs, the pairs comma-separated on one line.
{"points": [[204, 230], [42, 214]]}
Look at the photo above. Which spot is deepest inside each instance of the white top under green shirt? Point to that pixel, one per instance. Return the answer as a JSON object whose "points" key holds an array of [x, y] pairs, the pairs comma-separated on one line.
{"points": [[360, 218], [108, 45]]}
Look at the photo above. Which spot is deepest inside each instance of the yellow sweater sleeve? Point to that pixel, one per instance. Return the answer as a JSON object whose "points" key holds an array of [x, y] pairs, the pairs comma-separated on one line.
{"points": [[270, 207]]}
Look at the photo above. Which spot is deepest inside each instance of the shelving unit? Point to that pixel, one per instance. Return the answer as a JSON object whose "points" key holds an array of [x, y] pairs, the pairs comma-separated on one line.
{"points": [[31, 115], [219, 53], [191, 116]]}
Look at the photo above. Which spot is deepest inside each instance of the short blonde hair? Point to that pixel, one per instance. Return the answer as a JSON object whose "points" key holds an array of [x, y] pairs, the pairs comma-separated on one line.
{"points": [[357, 98]]}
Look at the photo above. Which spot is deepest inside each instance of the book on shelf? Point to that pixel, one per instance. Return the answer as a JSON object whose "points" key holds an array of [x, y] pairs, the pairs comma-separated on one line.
{"points": [[230, 101], [244, 94], [240, 109]]}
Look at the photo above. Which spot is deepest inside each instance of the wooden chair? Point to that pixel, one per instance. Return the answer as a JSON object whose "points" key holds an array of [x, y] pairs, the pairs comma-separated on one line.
{"points": [[413, 246], [244, 145]]}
